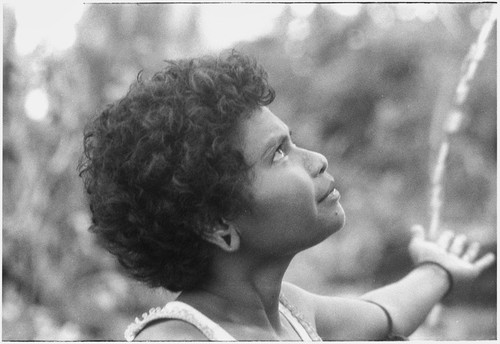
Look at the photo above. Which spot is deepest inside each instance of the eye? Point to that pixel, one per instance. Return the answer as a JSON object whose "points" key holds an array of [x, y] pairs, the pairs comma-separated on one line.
{"points": [[279, 154]]}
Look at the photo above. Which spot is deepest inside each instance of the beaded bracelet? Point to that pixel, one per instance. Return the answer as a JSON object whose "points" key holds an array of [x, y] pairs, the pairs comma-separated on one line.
{"points": [[448, 274]]}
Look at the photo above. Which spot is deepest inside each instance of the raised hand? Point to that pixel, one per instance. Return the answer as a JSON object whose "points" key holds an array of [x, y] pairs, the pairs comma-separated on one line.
{"points": [[453, 252]]}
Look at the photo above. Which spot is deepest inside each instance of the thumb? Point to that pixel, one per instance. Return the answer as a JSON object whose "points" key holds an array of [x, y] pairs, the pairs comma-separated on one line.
{"points": [[418, 232]]}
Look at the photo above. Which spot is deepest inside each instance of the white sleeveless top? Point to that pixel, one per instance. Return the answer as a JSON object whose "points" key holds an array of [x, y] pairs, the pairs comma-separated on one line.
{"points": [[181, 311]]}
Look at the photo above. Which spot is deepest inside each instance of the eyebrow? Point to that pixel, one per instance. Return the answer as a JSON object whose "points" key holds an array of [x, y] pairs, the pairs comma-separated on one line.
{"points": [[275, 141]]}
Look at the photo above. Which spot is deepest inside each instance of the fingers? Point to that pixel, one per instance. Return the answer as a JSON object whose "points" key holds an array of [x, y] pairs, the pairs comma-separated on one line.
{"points": [[484, 262], [458, 245], [444, 239], [418, 232], [471, 253]]}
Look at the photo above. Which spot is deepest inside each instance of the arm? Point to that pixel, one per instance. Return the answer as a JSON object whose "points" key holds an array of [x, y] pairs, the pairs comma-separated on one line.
{"points": [[338, 318], [409, 300]]}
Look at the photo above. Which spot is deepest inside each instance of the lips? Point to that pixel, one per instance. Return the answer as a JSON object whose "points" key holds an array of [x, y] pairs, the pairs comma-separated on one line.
{"points": [[331, 193]]}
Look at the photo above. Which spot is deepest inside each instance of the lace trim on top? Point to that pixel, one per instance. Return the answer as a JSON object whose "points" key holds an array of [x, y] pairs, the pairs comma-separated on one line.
{"points": [[182, 311], [305, 330]]}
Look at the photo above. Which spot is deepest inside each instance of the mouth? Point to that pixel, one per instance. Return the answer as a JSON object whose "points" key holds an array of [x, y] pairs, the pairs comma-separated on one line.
{"points": [[330, 194]]}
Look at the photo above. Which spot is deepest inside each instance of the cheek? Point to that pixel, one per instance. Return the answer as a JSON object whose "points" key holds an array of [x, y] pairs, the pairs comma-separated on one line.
{"points": [[286, 201]]}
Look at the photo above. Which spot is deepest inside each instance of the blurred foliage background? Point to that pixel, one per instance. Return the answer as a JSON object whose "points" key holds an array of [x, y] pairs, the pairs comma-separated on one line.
{"points": [[366, 85]]}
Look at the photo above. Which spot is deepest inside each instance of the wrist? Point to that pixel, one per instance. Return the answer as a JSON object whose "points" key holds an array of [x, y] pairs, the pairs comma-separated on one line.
{"points": [[440, 270]]}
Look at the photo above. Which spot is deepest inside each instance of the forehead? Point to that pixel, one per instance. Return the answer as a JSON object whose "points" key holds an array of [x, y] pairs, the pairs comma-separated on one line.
{"points": [[257, 130]]}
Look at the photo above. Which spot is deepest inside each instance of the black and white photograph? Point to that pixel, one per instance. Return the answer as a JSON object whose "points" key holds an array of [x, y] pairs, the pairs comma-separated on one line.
{"points": [[249, 171]]}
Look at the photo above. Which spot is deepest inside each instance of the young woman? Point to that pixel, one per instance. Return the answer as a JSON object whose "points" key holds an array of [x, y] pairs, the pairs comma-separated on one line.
{"points": [[196, 186]]}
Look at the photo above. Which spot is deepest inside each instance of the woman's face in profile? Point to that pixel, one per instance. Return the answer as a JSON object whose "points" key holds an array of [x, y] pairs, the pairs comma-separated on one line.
{"points": [[294, 203]]}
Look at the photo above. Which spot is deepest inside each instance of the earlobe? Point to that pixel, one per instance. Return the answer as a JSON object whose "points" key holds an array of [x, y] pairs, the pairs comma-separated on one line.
{"points": [[225, 237]]}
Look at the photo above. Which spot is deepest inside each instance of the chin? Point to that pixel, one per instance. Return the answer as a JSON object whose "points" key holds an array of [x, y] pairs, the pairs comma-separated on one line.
{"points": [[330, 224], [331, 227], [338, 219]]}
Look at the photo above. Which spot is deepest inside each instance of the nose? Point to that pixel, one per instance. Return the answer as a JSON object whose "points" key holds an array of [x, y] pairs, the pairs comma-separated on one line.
{"points": [[315, 163]]}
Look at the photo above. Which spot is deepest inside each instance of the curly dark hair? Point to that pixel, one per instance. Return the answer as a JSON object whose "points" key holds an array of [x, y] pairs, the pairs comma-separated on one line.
{"points": [[161, 166]]}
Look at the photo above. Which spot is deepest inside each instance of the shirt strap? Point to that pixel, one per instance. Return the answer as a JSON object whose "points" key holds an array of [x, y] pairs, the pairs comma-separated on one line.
{"points": [[303, 328]]}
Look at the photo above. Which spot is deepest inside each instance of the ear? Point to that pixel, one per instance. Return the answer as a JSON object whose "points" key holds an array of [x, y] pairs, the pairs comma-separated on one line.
{"points": [[225, 236]]}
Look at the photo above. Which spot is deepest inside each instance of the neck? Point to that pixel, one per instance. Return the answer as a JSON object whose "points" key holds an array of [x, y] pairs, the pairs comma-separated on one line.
{"points": [[244, 290]]}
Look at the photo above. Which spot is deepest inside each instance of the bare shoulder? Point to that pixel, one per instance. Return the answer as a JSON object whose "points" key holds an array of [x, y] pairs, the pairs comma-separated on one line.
{"points": [[311, 303], [292, 291], [315, 301], [170, 329], [338, 318]]}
